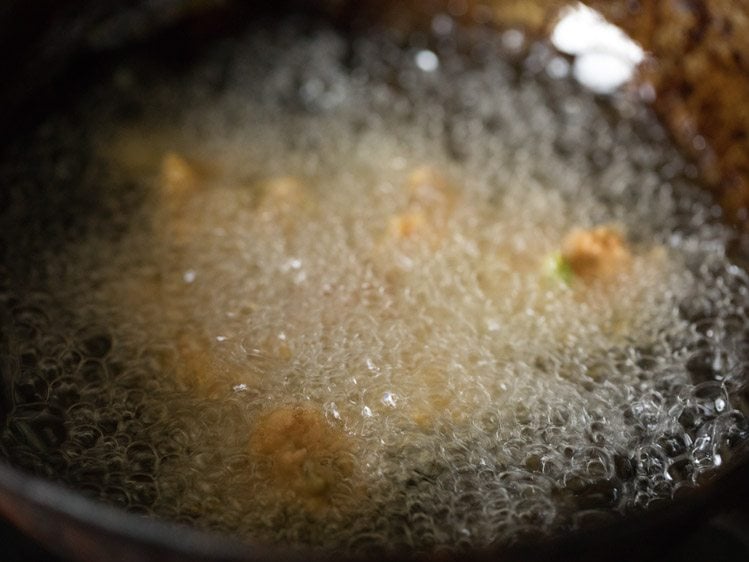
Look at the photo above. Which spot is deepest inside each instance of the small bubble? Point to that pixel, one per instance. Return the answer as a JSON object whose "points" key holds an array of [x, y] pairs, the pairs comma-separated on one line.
{"points": [[513, 40], [312, 89], [332, 410], [427, 60], [699, 143], [647, 92], [442, 24], [558, 67], [292, 264]]}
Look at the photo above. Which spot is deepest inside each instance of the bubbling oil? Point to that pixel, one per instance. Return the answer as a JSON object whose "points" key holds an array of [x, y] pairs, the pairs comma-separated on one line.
{"points": [[478, 397]]}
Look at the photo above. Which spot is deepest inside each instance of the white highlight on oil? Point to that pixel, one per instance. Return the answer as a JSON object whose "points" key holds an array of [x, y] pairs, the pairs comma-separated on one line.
{"points": [[605, 58]]}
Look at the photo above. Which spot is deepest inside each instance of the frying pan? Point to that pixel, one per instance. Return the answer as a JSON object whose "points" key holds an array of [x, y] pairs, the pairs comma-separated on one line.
{"points": [[54, 51]]}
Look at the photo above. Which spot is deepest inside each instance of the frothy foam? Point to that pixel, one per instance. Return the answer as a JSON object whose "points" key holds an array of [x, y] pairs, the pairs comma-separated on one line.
{"points": [[478, 396]]}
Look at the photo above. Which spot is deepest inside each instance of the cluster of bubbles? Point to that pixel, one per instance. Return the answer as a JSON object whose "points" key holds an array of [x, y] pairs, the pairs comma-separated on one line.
{"points": [[484, 400]]}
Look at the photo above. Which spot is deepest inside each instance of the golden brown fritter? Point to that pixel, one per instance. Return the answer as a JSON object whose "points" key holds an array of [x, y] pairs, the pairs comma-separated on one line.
{"points": [[430, 201], [596, 254], [306, 455]]}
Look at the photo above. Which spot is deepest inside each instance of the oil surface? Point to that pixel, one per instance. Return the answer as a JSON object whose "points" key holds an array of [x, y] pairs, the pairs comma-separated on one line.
{"points": [[261, 248]]}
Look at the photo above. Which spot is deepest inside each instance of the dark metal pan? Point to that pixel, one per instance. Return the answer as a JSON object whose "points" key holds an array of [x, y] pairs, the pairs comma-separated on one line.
{"points": [[52, 53]]}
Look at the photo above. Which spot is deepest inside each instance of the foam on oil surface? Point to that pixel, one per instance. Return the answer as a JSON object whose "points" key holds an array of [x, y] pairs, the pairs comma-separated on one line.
{"points": [[483, 399]]}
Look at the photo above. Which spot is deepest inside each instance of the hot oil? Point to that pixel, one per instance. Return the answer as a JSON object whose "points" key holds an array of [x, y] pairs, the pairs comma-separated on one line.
{"points": [[274, 260]]}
